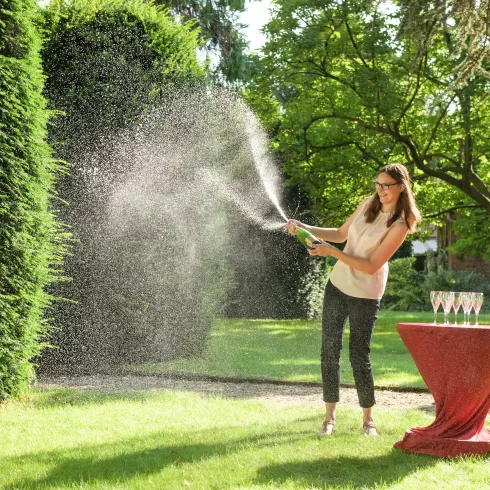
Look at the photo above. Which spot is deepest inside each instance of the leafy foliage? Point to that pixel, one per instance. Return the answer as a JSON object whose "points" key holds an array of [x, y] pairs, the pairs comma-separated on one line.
{"points": [[470, 36], [276, 278], [107, 62], [409, 289], [403, 292], [472, 229], [343, 90], [456, 281], [311, 289], [220, 33], [31, 239]]}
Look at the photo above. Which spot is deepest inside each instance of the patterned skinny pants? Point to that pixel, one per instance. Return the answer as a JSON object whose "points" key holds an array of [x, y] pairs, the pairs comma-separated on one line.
{"points": [[362, 314]]}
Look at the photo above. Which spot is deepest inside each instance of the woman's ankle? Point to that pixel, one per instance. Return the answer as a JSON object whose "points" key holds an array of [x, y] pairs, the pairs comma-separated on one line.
{"points": [[367, 415], [330, 411]]}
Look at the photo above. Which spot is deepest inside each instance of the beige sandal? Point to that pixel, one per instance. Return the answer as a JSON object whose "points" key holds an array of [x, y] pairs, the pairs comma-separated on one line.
{"points": [[369, 429], [327, 427]]}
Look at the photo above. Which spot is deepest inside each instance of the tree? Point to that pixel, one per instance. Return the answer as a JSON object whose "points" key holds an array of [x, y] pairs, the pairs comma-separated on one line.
{"points": [[220, 32], [344, 90], [470, 36], [31, 239]]}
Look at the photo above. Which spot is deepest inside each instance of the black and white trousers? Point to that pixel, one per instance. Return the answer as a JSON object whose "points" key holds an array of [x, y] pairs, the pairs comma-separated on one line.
{"points": [[362, 314]]}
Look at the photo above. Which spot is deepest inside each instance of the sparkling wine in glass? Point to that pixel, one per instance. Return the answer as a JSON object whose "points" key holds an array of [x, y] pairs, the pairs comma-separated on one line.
{"points": [[447, 300], [457, 303], [435, 298], [477, 302], [467, 304]]}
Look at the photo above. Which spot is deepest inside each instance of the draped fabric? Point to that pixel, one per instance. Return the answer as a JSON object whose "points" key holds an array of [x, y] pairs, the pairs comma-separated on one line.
{"points": [[455, 365]]}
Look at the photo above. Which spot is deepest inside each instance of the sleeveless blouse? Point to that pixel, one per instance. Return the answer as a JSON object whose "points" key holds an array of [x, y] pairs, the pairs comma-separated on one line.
{"points": [[362, 239]]}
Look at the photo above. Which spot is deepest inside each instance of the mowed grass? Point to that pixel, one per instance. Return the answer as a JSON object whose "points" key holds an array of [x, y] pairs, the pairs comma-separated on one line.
{"points": [[60, 439], [290, 350]]}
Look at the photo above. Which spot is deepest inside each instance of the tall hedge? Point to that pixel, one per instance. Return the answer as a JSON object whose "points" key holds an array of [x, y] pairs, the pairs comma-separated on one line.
{"points": [[108, 63], [31, 241]]}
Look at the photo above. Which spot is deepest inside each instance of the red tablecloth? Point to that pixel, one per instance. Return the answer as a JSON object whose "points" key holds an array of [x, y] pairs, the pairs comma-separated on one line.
{"points": [[455, 365]]}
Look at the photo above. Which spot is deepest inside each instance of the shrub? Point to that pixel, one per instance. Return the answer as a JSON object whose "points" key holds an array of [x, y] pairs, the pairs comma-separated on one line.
{"points": [[409, 290], [311, 287], [456, 281], [108, 61], [276, 278], [403, 290], [31, 239]]}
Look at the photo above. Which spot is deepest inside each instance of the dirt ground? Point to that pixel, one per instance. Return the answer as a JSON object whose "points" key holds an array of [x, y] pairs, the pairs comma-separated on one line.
{"points": [[281, 395]]}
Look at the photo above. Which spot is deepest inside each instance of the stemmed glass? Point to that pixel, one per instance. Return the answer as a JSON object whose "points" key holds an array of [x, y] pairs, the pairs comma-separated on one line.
{"points": [[447, 300], [477, 302], [435, 298], [457, 303], [467, 305]]}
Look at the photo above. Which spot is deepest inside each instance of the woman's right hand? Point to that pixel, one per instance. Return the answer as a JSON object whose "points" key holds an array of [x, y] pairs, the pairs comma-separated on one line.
{"points": [[292, 225]]}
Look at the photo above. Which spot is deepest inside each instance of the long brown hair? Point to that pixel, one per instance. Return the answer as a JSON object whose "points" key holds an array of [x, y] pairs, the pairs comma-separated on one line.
{"points": [[406, 207]]}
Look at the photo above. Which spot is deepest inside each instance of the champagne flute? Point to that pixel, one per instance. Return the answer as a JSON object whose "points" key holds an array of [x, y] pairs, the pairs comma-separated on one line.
{"points": [[435, 298], [467, 305], [457, 303], [447, 300], [477, 302]]}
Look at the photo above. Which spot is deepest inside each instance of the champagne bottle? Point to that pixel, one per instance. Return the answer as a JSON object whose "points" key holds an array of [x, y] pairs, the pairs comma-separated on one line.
{"points": [[303, 234]]}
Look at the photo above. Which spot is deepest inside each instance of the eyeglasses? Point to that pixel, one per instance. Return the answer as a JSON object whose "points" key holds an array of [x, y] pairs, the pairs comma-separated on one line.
{"points": [[385, 187]]}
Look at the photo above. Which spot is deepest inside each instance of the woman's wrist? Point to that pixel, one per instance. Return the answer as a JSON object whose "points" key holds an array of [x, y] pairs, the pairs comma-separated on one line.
{"points": [[335, 252]]}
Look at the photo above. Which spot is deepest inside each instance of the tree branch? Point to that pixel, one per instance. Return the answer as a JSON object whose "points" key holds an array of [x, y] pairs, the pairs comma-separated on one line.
{"points": [[420, 177], [415, 92], [454, 208], [435, 81], [327, 74], [481, 198], [442, 155], [318, 149], [436, 127], [360, 122], [478, 191], [422, 63], [354, 44], [478, 183]]}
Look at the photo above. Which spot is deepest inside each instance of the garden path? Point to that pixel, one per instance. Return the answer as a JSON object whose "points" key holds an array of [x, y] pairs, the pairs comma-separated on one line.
{"points": [[278, 394]]}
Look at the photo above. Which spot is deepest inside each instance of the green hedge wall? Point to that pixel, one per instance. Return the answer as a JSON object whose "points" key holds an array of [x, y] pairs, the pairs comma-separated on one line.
{"points": [[31, 240]]}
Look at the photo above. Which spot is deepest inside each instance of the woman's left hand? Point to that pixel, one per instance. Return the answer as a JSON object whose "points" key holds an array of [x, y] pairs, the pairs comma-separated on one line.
{"points": [[323, 249]]}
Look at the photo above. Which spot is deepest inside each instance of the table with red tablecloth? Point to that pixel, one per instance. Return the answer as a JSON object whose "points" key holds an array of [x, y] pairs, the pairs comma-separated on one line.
{"points": [[454, 362]]}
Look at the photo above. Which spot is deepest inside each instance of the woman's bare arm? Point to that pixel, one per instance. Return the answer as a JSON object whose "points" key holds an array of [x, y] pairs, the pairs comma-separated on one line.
{"points": [[335, 235], [376, 260]]}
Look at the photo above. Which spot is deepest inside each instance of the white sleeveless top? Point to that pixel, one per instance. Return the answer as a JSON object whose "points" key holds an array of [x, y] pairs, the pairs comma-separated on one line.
{"points": [[362, 240]]}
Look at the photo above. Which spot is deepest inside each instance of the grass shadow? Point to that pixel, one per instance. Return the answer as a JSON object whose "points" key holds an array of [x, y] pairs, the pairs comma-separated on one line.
{"points": [[98, 463], [47, 397], [348, 472]]}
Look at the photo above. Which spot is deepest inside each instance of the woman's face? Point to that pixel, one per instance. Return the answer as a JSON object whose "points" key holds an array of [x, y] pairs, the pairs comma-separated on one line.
{"points": [[388, 188]]}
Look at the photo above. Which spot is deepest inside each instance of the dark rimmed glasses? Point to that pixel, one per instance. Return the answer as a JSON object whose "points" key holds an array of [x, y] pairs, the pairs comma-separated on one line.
{"points": [[385, 187]]}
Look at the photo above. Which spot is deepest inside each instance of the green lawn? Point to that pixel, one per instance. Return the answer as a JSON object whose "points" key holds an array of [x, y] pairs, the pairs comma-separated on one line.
{"points": [[61, 439], [290, 350]]}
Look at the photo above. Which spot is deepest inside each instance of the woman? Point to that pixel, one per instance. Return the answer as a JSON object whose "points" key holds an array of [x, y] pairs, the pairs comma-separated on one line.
{"points": [[374, 232]]}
